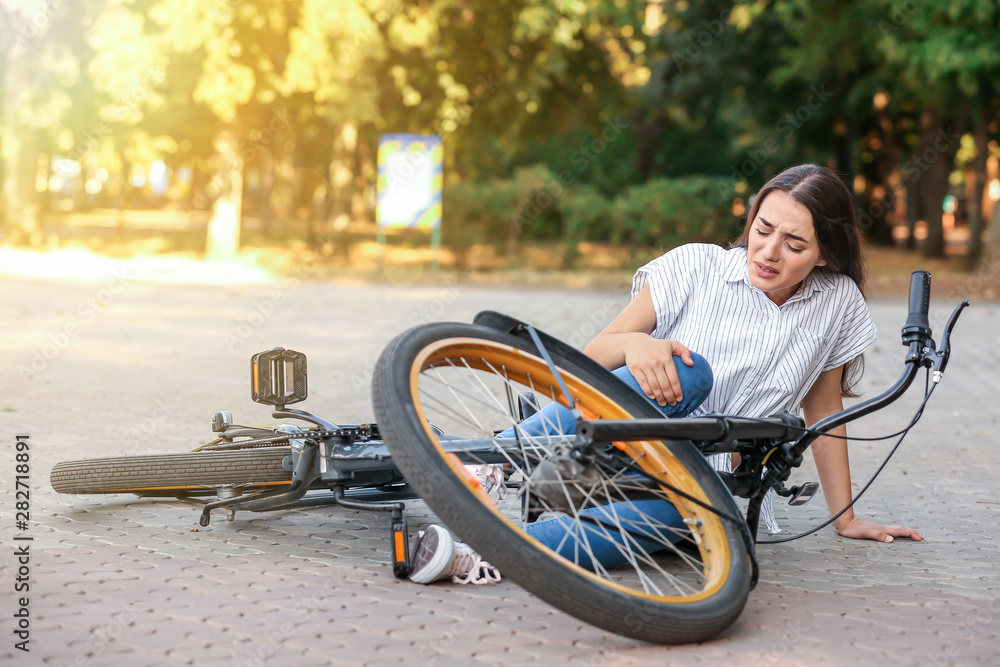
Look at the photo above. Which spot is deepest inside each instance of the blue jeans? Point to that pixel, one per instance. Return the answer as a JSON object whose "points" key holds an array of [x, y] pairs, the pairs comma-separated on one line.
{"points": [[656, 518]]}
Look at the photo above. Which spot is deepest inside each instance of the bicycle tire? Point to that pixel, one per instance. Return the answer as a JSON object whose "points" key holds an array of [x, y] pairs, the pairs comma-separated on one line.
{"points": [[172, 473], [609, 599]]}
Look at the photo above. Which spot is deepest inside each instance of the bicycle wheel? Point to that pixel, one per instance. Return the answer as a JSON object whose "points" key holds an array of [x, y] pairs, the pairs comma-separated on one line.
{"points": [[172, 474], [678, 584]]}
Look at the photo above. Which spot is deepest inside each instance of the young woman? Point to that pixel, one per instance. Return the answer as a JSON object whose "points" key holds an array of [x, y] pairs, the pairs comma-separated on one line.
{"points": [[778, 321]]}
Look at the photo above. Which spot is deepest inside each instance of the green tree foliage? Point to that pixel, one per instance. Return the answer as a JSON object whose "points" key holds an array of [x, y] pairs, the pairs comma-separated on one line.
{"points": [[623, 114]]}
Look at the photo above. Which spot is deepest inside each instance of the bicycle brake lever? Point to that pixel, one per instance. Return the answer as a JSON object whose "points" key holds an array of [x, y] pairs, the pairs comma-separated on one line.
{"points": [[940, 357]]}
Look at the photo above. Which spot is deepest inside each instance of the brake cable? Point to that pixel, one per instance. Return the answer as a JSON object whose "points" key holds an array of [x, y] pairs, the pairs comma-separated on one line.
{"points": [[741, 524], [885, 461]]}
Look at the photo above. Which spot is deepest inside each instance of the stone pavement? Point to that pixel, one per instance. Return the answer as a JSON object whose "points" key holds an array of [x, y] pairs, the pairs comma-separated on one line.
{"points": [[117, 580]]}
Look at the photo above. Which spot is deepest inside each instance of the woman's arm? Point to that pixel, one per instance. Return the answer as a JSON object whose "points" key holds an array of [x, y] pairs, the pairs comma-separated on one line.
{"points": [[834, 468], [626, 341]]}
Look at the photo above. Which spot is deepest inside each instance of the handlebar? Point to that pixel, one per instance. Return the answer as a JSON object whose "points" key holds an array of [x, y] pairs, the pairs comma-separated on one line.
{"points": [[916, 333], [917, 328]]}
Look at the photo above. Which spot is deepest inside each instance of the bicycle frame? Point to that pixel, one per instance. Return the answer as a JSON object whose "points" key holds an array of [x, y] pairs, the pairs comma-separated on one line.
{"points": [[353, 458]]}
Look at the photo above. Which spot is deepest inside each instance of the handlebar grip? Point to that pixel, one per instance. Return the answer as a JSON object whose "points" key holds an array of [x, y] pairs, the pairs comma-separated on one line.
{"points": [[917, 327]]}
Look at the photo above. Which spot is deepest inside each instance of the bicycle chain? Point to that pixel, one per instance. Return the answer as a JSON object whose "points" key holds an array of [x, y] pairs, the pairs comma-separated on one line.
{"points": [[361, 433]]}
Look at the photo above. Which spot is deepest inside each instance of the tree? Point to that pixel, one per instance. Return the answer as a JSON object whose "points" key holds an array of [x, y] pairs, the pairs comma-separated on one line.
{"points": [[945, 54], [36, 75]]}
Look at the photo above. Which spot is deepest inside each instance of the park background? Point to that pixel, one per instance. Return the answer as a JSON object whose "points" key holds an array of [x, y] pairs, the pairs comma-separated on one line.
{"points": [[579, 135], [129, 126]]}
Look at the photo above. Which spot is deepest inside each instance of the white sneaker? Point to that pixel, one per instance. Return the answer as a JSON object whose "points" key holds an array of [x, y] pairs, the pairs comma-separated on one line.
{"points": [[438, 556], [490, 477]]}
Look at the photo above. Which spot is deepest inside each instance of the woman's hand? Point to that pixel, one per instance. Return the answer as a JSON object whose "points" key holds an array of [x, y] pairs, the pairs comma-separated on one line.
{"points": [[859, 529], [651, 361], [830, 452]]}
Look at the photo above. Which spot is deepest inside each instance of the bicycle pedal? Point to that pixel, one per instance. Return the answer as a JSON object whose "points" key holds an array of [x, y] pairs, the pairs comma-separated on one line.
{"points": [[400, 546], [803, 494]]}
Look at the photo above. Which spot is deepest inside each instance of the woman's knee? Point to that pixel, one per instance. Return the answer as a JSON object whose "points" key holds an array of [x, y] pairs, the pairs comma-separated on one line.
{"points": [[696, 379]]}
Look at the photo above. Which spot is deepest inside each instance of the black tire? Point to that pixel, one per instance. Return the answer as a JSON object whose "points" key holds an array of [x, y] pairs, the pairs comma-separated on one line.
{"points": [[670, 609], [172, 473]]}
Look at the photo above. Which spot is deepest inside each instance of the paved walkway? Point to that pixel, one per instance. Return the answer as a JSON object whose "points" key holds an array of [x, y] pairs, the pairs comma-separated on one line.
{"points": [[105, 369]]}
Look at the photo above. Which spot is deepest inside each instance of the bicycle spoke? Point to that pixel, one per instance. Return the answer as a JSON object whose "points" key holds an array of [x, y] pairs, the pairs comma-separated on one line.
{"points": [[479, 399]]}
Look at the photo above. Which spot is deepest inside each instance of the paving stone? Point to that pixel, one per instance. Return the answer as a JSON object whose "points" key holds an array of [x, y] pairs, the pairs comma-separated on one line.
{"points": [[324, 569]]}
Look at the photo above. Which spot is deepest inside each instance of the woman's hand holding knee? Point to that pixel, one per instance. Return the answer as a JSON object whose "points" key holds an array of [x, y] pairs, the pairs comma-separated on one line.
{"points": [[651, 362]]}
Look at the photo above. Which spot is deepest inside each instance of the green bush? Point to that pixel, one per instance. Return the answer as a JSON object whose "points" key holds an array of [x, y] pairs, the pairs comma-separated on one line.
{"points": [[534, 205], [669, 212], [476, 213], [535, 214], [586, 214]]}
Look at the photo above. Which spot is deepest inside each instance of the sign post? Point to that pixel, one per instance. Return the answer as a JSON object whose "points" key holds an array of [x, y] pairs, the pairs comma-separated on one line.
{"points": [[410, 168]]}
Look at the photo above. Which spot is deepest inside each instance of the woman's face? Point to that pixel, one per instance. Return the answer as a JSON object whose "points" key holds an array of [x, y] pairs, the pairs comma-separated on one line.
{"points": [[781, 246]]}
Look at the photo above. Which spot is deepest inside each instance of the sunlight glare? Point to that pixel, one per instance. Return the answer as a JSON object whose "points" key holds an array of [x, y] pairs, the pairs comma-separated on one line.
{"points": [[80, 265]]}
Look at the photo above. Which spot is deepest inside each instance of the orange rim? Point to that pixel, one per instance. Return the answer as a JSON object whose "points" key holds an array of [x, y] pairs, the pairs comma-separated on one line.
{"points": [[651, 456]]}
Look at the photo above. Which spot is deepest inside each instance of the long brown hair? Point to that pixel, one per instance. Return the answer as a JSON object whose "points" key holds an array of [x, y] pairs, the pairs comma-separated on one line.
{"points": [[832, 208]]}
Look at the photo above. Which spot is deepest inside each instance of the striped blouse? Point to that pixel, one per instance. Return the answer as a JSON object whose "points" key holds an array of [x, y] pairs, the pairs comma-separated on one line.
{"points": [[764, 357]]}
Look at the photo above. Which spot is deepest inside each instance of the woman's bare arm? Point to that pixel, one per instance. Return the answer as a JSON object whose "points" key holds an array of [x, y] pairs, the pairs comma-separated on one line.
{"points": [[626, 341], [834, 467]]}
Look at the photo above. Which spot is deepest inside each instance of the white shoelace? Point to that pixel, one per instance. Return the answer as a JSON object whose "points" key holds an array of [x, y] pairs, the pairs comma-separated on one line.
{"points": [[468, 568], [490, 476]]}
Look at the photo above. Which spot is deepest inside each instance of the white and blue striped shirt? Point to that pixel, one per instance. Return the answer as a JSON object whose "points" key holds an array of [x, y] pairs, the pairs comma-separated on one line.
{"points": [[764, 357]]}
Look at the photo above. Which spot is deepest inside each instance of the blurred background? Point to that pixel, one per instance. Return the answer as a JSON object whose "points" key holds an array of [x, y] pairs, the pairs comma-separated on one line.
{"points": [[577, 134]]}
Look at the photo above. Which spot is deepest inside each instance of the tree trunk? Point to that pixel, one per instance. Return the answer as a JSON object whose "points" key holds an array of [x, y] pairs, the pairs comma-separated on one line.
{"points": [[345, 172], [647, 140], [226, 187], [20, 198], [123, 179], [266, 190], [936, 160], [981, 135], [992, 248], [877, 207], [3, 111], [914, 212], [842, 147]]}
